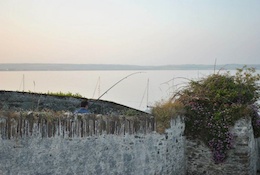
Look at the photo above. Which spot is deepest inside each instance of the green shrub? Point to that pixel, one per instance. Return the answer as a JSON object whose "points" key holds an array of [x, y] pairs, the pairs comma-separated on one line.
{"points": [[215, 103]]}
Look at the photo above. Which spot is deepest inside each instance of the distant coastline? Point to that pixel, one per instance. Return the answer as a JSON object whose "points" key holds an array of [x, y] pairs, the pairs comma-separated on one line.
{"points": [[100, 67]]}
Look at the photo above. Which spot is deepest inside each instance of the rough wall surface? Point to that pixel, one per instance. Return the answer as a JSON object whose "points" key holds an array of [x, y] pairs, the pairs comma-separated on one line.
{"points": [[54, 142], [241, 160], [258, 153], [32, 144], [17, 101]]}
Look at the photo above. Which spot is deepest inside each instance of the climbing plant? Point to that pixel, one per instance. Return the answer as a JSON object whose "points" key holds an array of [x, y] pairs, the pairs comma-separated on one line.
{"points": [[213, 104]]}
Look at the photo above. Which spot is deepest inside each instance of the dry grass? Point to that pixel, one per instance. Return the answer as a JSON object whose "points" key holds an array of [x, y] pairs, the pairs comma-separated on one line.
{"points": [[165, 111]]}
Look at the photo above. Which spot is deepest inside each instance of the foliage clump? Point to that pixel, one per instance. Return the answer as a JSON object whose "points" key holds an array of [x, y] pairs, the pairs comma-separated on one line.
{"points": [[63, 94], [164, 111], [212, 105], [215, 103]]}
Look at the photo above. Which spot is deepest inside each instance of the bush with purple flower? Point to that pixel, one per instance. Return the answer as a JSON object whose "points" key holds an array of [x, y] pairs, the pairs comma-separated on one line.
{"points": [[213, 104]]}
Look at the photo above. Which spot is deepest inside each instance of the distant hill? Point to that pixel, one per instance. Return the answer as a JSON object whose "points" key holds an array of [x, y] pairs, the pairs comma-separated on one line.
{"points": [[86, 67]]}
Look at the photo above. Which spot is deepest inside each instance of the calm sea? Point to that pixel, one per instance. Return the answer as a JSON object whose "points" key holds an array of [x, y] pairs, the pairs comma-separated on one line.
{"points": [[137, 89]]}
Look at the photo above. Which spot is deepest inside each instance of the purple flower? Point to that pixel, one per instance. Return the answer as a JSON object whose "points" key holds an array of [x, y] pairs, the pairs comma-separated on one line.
{"points": [[258, 122]]}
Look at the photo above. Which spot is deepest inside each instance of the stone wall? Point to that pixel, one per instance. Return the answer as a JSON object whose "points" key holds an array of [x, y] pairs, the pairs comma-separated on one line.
{"points": [[117, 140], [19, 101], [40, 143], [258, 153], [62, 143], [16, 125], [242, 160]]}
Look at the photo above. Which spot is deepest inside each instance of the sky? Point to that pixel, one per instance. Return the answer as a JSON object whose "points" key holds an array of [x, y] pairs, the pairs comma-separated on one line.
{"points": [[135, 32]]}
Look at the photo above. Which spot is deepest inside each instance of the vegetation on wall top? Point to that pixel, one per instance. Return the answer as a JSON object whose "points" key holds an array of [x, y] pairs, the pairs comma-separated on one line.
{"points": [[213, 104], [63, 94]]}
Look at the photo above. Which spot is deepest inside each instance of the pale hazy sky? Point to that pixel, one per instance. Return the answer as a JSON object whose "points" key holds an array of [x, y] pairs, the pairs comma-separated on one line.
{"points": [[139, 32]]}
